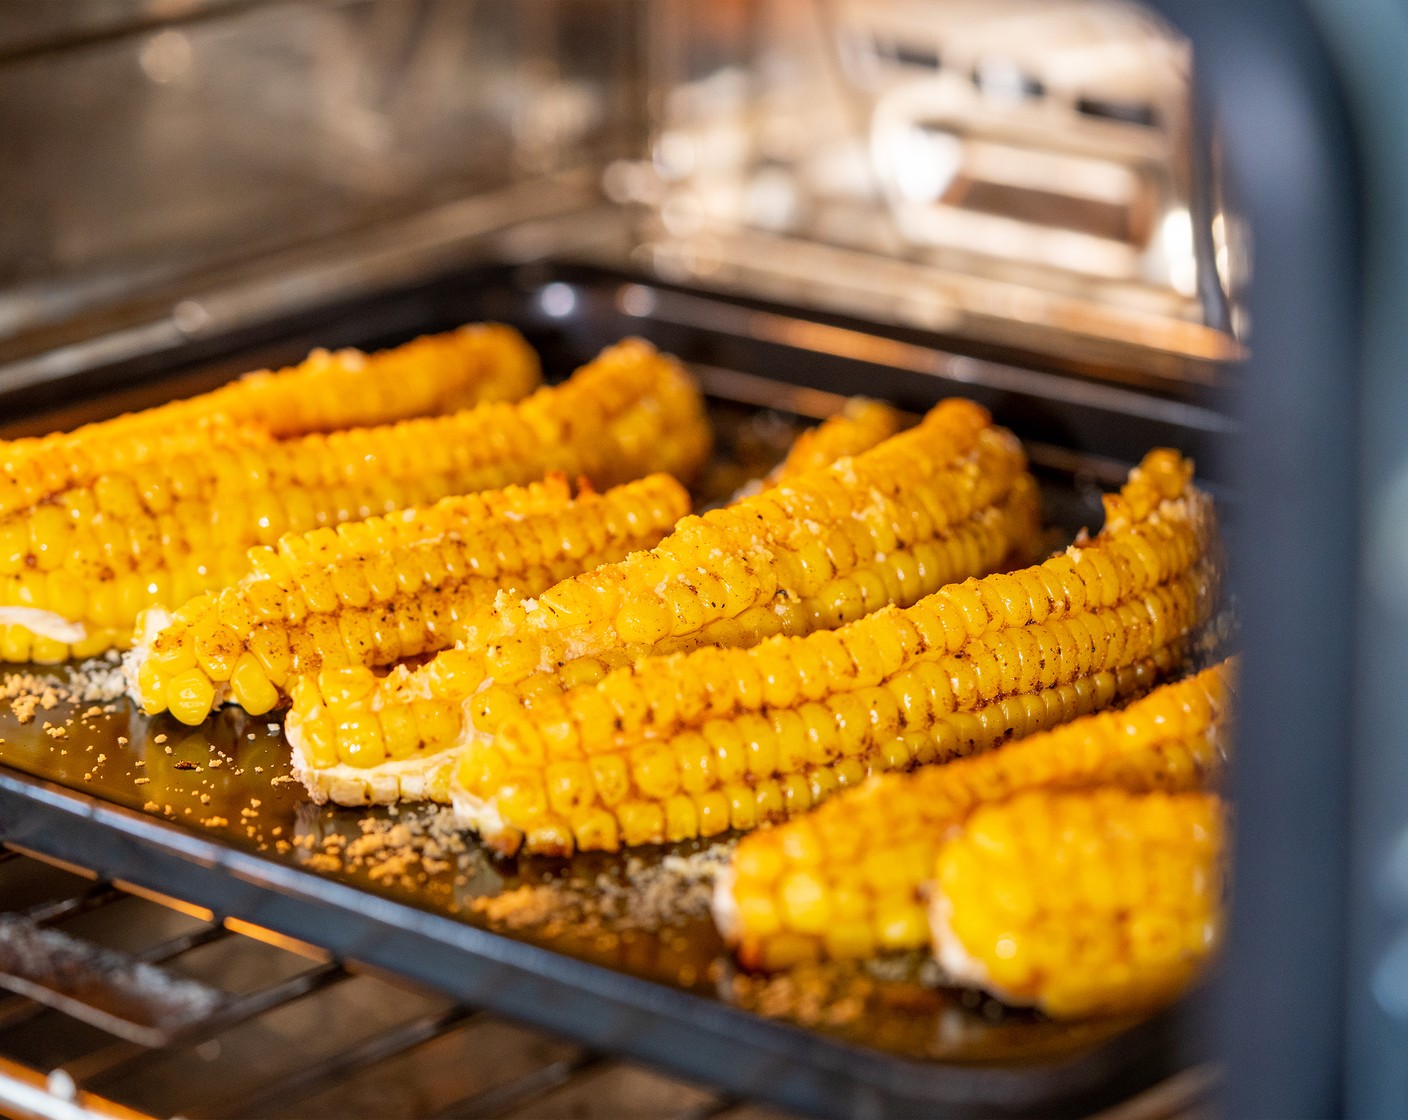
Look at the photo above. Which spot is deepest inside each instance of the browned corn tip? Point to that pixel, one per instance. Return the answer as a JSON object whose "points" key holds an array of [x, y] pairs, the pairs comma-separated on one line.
{"points": [[858, 427], [847, 880], [607, 763], [377, 591], [1097, 902], [170, 529]]}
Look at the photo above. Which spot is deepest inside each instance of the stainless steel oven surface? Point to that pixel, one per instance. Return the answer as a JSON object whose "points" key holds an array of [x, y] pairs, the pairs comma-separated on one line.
{"points": [[1050, 208]]}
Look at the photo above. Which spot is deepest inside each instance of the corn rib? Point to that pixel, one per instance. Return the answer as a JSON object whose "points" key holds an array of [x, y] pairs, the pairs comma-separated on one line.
{"points": [[331, 390], [376, 591], [942, 501], [672, 748], [165, 530], [949, 496], [324, 393], [848, 880], [1090, 903]]}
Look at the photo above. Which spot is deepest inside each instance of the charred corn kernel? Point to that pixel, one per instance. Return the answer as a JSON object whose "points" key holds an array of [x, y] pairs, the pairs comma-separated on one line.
{"points": [[727, 705], [858, 427], [723, 578], [1174, 740], [339, 624], [1085, 903], [221, 479], [400, 732]]}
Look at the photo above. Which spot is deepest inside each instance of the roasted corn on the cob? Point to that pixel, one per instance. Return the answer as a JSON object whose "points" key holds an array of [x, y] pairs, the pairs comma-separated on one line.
{"points": [[77, 568], [327, 392], [376, 591], [848, 879], [672, 748], [1097, 902], [944, 500]]}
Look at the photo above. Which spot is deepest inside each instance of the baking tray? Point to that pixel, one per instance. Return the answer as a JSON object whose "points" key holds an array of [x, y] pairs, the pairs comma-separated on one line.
{"points": [[613, 951]]}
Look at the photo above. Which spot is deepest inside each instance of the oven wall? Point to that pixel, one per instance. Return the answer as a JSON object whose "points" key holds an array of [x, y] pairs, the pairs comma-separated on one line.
{"points": [[147, 141]]}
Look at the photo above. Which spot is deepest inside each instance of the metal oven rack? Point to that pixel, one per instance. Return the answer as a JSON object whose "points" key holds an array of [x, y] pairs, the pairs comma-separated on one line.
{"points": [[358, 1043]]}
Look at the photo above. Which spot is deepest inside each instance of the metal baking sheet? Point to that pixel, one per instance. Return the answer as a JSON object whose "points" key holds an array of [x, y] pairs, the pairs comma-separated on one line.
{"points": [[615, 951]]}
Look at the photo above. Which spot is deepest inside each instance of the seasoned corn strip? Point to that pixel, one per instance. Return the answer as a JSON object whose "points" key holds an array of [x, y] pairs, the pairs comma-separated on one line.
{"points": [[1092, 903], [858, 427], [946, 499], [158, 534], [376, 591], [847, 880], [428, 376], [326, 392], [678, 747]]}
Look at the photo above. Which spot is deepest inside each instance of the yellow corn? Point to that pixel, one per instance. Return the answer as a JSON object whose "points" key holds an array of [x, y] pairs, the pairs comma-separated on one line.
{"points": [[328, 391], [1090, 903], [858, 427], [157, 534], [946, 499], [376, 591], [672, 748], [431, 375], [848, 879]]}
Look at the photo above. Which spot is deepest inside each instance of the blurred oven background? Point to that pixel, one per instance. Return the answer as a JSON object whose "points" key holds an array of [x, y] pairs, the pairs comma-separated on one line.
{"points": [[1020, 174], [163, 147]]}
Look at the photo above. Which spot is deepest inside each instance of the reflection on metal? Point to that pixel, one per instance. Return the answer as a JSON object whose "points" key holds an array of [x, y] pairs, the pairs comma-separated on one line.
{"points": [[958, 165], [1014, 171], [276, 939], [307, 276], [30, 1093], [793, 270], [151, 141]]}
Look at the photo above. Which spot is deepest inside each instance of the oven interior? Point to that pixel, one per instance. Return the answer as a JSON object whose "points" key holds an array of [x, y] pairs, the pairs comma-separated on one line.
{"points": [[802, 201]]}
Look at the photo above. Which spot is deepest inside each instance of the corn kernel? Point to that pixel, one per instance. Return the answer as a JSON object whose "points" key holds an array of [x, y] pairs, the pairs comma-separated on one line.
{"points": [[360, 742], [251, 686], [189, 696], [642, 822]]}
